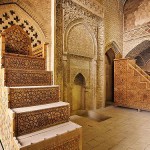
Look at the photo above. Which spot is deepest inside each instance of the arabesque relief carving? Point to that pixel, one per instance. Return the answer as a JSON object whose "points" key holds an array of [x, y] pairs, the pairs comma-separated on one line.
{"points": [[32, 96], [37, 120], [17, 41], [29, 102], [77, 31], [21, 62], [76, 35], [25, 78]]}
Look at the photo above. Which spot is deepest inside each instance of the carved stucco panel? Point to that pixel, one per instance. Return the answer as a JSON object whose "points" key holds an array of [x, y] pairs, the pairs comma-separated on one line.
{"points": [[80, 41], [73, 11], [72, 16]]}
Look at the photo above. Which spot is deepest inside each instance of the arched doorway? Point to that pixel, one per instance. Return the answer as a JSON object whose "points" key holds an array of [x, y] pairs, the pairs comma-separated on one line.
{"points": [[109, 65], [78, 93]]}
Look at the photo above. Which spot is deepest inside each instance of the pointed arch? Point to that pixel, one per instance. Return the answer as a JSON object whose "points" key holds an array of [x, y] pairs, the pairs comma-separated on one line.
{"points": [[138, 49], [71, 34], [78, 93], [141, 53], [79, 79], [113, 45]]}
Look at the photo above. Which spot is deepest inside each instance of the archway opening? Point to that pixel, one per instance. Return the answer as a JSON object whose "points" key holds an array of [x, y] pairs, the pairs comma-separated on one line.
{"points": [[78, 93], [141, 53], [109, 65]]}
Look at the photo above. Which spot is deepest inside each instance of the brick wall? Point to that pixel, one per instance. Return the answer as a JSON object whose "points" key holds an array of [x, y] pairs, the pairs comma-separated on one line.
{"points": [[43, 10], [113, 23]]}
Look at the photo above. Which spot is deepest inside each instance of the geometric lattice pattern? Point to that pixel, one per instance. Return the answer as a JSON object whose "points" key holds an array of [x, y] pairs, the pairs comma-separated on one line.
{"points": [[132, 85], [11, 18]]}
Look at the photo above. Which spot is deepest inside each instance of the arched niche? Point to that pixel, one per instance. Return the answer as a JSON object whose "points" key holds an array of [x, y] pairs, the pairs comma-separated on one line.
{"points": [[141, 53], [12, 14], [140, 61], [138, 49], [78, 93], [80, 39]]}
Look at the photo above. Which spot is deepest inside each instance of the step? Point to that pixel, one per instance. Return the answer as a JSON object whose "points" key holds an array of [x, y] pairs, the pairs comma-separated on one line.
{"points": [[66, 136], [31, 119], [14, 61], [27, 78], [33, 95]]}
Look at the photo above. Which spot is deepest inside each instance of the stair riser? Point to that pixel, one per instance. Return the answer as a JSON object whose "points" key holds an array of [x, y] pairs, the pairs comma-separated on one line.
{"points": [[24, 97], [26, 63], [71, 140], [37, 120], [27, 78]]}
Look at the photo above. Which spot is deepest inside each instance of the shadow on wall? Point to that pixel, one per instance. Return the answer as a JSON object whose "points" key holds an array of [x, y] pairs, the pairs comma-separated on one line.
{"points": [[141, 53], [109, 63], [78, 93]]}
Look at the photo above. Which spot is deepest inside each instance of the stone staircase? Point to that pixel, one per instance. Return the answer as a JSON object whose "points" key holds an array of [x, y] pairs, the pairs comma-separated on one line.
{"points": [[32, 117], [132, 85]]}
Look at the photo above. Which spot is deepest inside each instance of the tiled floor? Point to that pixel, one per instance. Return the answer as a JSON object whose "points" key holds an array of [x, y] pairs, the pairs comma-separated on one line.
{"points": [[126, 130]]}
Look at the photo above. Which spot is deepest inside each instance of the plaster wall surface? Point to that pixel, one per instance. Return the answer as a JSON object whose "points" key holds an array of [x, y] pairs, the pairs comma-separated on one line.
{"points": [[113, 18], [136, 24]]}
